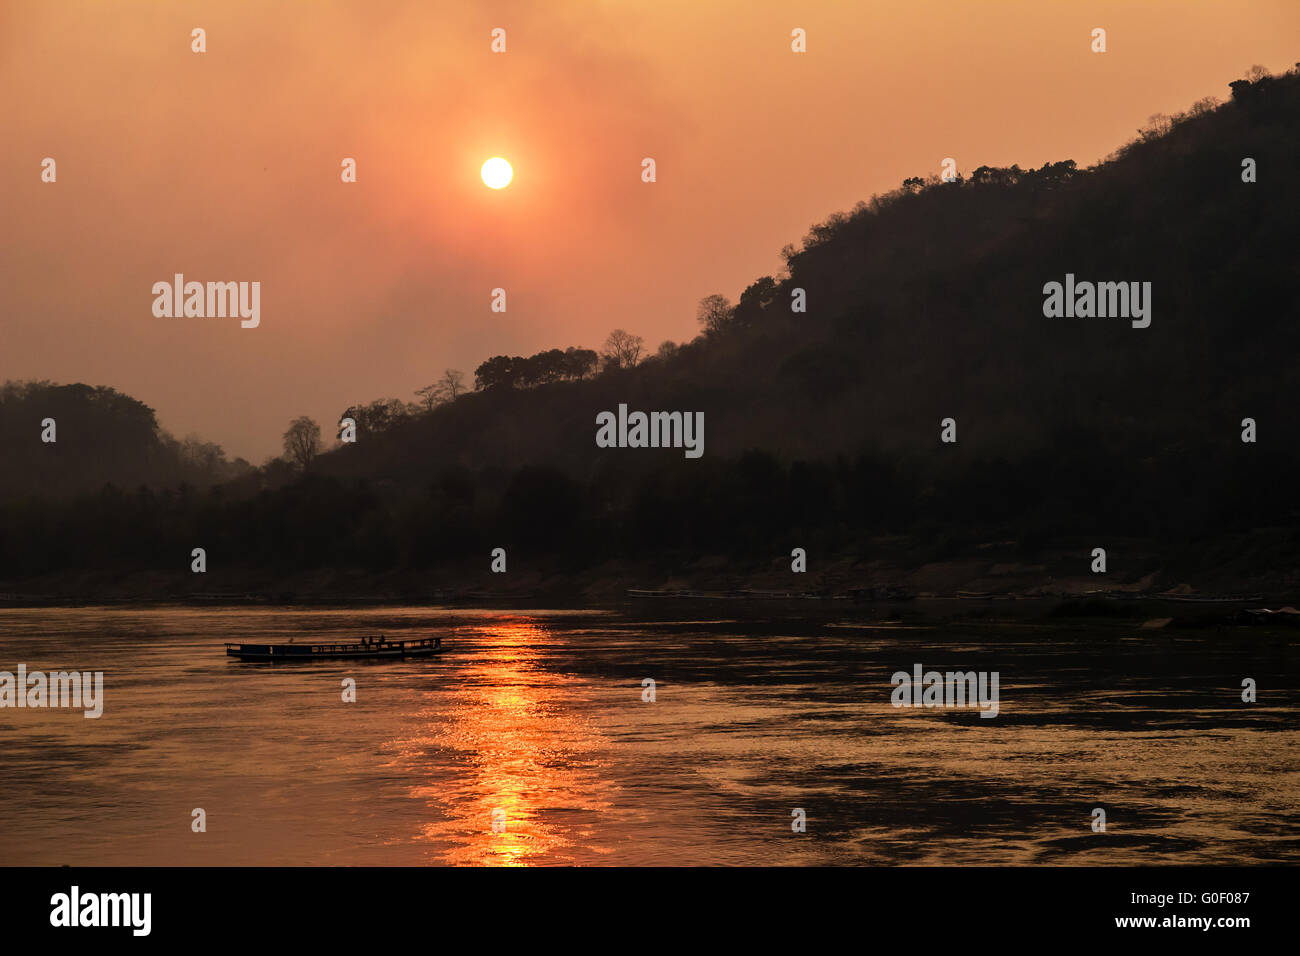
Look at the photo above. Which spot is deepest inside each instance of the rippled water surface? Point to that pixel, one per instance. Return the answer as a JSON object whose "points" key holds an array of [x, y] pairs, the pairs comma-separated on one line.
{"points": [[540, 714]]}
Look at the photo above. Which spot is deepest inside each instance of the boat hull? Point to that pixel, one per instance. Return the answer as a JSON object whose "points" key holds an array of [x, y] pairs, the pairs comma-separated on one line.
{"points": [[384, 650]]}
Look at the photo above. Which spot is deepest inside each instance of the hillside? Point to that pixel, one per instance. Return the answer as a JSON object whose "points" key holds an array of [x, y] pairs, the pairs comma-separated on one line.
{"points": [[823, 427]]}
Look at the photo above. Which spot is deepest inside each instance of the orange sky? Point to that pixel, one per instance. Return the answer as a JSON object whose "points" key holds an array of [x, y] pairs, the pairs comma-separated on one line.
{"points": [[225, 166]]}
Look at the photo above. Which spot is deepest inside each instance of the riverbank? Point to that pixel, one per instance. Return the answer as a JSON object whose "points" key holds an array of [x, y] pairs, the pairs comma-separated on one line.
{"points": [[997, 575]]}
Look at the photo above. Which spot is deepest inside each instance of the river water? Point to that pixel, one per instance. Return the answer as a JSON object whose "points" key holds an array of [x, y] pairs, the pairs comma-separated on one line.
{"points": [[529, 742]]}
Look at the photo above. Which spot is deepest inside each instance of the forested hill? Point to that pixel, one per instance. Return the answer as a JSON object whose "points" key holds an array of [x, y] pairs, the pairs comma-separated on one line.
{"points": [[823, 427], [60, 440], [927, 303]]}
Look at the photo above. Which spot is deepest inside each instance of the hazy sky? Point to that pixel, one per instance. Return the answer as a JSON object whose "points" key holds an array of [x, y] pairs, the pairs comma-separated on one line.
{"points": [[225, 166]]}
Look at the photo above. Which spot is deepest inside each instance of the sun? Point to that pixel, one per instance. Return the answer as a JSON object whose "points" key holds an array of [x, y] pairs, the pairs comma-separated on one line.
{"points": [[496, 173]]}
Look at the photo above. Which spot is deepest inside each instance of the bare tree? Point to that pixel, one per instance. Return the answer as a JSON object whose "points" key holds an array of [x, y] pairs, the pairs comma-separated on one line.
{"points": [[1158, 125], [622, 349], [447, 389], [302, 442], [430, 395], [714, 313], [453, 384]]}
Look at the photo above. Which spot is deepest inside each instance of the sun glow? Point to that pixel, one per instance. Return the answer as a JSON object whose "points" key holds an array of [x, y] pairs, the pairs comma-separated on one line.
{"points": [[496, 173]]}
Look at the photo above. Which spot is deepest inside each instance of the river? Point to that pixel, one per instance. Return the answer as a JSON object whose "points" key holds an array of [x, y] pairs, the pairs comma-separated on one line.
{"points": [[529, 741]]}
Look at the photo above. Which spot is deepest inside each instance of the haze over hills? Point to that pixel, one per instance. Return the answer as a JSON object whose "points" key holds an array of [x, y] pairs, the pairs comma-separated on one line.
{"points": [[822, 428]]}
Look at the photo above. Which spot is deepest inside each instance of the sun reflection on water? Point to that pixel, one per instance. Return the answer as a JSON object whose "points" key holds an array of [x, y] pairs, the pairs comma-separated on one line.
{"points": [[510, 732]]}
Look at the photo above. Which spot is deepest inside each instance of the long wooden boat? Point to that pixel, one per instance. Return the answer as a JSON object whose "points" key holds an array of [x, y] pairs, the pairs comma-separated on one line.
{"points": [[368, 647]]}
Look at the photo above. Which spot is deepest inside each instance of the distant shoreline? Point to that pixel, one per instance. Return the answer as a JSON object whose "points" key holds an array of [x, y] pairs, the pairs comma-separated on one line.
{"points": [[1147, 612]]}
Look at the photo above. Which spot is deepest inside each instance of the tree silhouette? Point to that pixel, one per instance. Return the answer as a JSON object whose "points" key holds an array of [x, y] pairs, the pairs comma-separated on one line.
{"points": [[753, 301], [302, 442], [622, 349], [497, 372], [430, 395], [378, 416], [447, 389], [714, 313], [579, 363], [452, 384]]}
